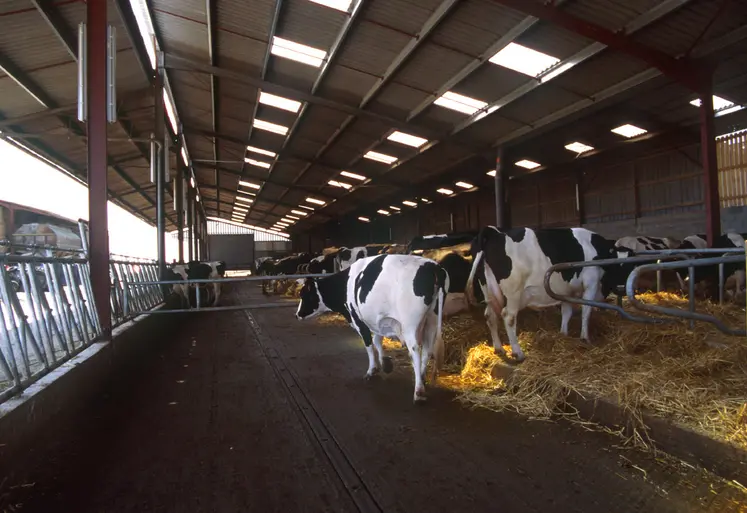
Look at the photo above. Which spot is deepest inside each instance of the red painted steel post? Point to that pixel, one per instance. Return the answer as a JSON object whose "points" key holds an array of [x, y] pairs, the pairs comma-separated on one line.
{"points": [[96, 44], [499, 184], [710, 166]]}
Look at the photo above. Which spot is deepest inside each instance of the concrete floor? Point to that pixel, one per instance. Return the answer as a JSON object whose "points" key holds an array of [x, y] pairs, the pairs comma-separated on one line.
{"points": [[222, 419]]}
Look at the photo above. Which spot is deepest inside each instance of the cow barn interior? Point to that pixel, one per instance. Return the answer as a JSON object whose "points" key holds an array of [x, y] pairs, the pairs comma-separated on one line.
{"points": [[314, 126]]}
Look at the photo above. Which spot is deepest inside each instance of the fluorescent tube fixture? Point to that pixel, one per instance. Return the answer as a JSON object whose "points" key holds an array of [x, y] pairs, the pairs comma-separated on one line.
{"points": [[383, 212], [299, 212], [425, 200], [527, 164], [380, 157], [257, 163], [524, 60], [270, 127], [464, 185], [364, 219], [315, 201], [445, 191], [396, 209], [342, 185], [460, 103], [348, 174], [297, 52], [407, 139], [279, 102], [410, 203], [254, 149], [249, 184], [340, 5], [629, 131], [578, 147]]}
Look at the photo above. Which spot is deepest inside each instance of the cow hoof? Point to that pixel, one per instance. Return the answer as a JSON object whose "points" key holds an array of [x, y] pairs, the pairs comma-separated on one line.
{"points": [[372, 374], [419, 398], [585, 342], [387, 364]]}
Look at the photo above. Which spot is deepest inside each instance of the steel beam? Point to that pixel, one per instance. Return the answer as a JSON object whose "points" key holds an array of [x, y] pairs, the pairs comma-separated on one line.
{"points": [[179, 189], [682, 70], [96, 43], [190, 223], [159, 130], [124, 10], [60, 28], [710, 167], [212, 16]]}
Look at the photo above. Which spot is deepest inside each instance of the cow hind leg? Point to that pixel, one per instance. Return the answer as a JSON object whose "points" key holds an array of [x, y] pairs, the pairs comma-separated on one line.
{"points": [[491, 318], [415, 346], [384, 361], [566, 310], [373, 369]]}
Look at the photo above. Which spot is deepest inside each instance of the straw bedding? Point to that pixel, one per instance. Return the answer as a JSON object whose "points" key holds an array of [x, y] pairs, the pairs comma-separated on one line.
{"points": [[697, 378]]}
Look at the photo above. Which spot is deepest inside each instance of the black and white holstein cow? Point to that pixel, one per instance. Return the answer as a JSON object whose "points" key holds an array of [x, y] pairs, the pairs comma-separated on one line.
{"points": [[647, 282], [196, 271], [348, 256], [707, 277], [457, 262], [423, 242], [283, 267], [510, 270], [395, 296]]}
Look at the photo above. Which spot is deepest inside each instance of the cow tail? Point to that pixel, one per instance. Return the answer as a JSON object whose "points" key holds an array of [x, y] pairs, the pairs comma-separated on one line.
{"points": [[469, 290], [442, 286]]}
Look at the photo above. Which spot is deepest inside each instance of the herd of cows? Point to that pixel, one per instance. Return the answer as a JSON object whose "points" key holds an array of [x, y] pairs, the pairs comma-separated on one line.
{"points": [[405, 291]]}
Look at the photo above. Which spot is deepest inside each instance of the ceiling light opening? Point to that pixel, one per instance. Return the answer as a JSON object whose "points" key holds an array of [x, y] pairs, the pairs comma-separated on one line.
{"points": [[578, 147], [364, 219], [445, 191], [407, 139], [380, 157], [464, 185], [342, 185], [629, 131], [257, 163], [299, 212], [315, 201], [491, 172], [348, 174], [460, 103], [254, 149], [383, 212], [279, 102], [410, 203], [249, 184], [270, 127], [527, 164], [524, 60], [297, 52]]}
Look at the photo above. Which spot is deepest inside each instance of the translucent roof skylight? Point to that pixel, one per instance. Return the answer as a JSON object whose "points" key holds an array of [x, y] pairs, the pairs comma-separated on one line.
{"points": [[254, 149], [464, 185], [314, 200], [270, 127], [578, 147], [299, 212], [524, 60], [306, 207], [407, 139], [629, 131], [364, 219], [279, 102], [340, 5], [425, 200], [342, 185], [460, 103], [257, 163], [718, 103], [380, 157], [445, 191], [249, 184], [383, 212], [185, 157], [348, 174], [396, 209], [410, 203], [527, 164], [170, 111], [491, 172], [292, 217], [297, 52], [242, 199]]}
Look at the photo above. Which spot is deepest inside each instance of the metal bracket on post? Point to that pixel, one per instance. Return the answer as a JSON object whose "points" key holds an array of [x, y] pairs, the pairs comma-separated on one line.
{"points": [[166, 158], [82, 74], [153, 158], [111, 74]]}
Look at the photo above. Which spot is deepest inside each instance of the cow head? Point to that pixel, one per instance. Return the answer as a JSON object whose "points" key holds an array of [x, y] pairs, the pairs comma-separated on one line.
{"points": [[311, 303], [617, 274]]}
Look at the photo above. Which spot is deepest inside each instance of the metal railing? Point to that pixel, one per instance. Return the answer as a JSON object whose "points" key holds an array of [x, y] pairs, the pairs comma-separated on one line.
{"points": [[48, 314], [681, 260]]}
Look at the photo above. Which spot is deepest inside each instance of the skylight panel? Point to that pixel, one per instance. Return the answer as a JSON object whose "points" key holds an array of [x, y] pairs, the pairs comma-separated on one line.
{"points": [[270, 127], [192, 181], [249, 184], [284, 225], [340, 5], [300, 212], [242, 210], [407, 139], [315, 201], [396, 209], [718, 103], [447, 192], [348, 174], [524, 60], [244, 200], [306, 207], [257, 163], [170, 111], [527, 164], [629, 131], [197, 198], [279, 102], [364, 219], [410, 203], [297, 52], [464, 185], [185, 157], [286, 220], [491, 172], [382, 212], [425, 200], [380, 157], [254, 149], [460, 103], [342, 185], [145, 27], [292, 217], [578, 147]]}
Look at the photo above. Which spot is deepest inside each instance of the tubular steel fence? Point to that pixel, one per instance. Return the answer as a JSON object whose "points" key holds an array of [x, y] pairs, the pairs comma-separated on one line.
{"points": [[48, 314]]}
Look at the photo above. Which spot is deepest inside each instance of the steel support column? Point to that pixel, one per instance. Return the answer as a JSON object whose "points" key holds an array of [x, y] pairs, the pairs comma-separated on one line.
{"points": [[96, 44], [179, 205], [710, 166], [499, 183], [159, 128], [190, 226]]}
